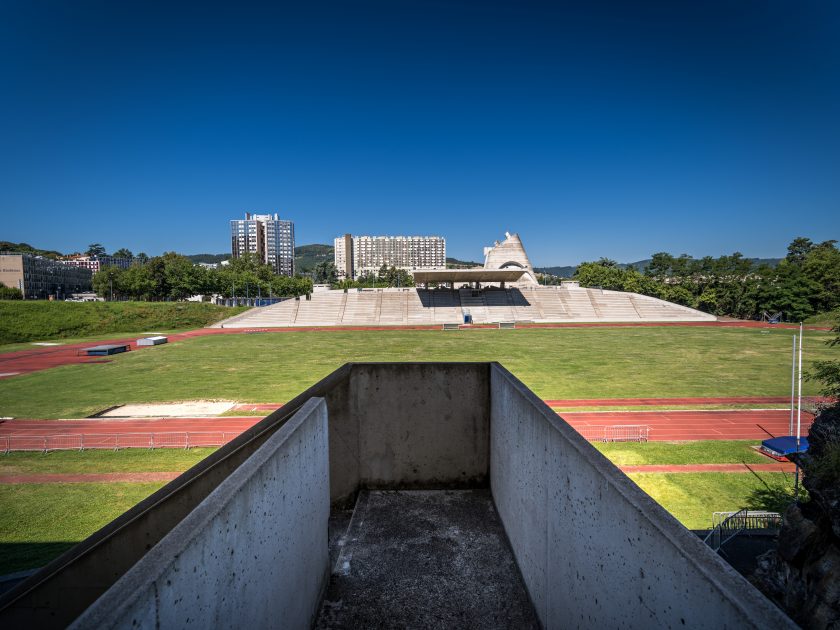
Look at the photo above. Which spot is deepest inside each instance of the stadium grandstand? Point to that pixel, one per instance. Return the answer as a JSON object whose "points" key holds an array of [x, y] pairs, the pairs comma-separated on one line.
{"points": [[503, 290]]}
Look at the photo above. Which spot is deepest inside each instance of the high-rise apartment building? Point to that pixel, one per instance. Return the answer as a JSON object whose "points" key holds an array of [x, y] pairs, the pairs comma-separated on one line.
{"points": [[357, 256], [269, 237]]}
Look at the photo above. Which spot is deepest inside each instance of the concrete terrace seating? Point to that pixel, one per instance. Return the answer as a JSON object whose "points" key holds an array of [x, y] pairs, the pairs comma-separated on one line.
{"points": [[447, 306], [397, 307], [472, 302], [614, 305], [324, 309], [499, 305]]}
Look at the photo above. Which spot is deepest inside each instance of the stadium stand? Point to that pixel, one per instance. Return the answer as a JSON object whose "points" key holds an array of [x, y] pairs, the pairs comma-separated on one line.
{"points": [[399, 307]]}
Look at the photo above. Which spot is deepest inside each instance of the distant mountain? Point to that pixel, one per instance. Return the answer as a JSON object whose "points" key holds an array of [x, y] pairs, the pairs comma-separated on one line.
{"points": [[454, 263], [307, 256], [639, 265], [25, 248]]}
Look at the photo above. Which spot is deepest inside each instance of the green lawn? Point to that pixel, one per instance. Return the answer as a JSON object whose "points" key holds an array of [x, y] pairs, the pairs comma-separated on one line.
{"points": [[127, 460], [700, 452], [692, 497], [40, 521], [39, 320], [555, 363]]}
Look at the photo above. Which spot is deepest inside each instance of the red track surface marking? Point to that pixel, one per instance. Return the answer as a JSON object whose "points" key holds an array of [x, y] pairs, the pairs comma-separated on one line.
{"points": [[134, 477], [644, 402], [32, 360], [93, 426], [703, 468], [734, 424]]}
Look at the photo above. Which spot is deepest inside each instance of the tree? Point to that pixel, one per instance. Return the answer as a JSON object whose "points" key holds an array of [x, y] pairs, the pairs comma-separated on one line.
{"points": [[142, 258], [106, 282], [828, 372], [123, 253], [10, 293], [325, 273], [798, 249], [95, 249]]}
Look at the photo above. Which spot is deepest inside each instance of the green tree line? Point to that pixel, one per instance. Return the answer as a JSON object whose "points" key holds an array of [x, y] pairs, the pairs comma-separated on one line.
{"points": [[806, 282], [174, 277]]}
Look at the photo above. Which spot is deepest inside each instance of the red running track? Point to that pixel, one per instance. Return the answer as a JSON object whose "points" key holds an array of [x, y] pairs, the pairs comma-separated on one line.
{"points": [[735, 424], [94, 426], [42, 358]]}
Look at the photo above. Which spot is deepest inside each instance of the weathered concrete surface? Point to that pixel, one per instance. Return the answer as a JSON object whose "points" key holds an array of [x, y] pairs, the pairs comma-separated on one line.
{"points": [[594, 550], [254, 549], [426, 559], [57, 594], [411, 424]]}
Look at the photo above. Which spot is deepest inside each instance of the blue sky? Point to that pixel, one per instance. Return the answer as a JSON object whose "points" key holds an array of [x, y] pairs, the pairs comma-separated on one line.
{"points": [[611, 129]]}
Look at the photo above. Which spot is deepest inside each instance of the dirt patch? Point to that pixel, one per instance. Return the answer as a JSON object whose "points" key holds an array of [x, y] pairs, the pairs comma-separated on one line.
{"points": [[187, 409]]}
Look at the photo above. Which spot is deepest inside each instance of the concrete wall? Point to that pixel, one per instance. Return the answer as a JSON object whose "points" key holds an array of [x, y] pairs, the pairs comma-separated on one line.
{"points": [[253, 554], [411, 424], [594, 550]]}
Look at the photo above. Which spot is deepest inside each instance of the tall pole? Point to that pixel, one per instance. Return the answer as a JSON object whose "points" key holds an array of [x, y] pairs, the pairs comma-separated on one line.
{"points": [[792, 384], [798, 415]]}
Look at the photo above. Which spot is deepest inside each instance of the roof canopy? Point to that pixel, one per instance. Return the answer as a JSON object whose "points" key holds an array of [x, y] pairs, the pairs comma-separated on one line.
{"points": [[468, 275]]}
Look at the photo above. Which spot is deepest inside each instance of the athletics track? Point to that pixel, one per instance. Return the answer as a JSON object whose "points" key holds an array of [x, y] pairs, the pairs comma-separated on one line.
{"points": [[733, 424], [42, 358]]}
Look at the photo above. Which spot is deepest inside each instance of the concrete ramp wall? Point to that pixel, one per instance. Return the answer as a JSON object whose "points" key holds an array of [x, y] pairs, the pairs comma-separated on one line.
{"points": [[594, 550], [255, 546]]}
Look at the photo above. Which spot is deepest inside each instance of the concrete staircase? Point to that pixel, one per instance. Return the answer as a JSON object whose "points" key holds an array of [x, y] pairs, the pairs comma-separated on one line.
{"points": [[397, 307]]}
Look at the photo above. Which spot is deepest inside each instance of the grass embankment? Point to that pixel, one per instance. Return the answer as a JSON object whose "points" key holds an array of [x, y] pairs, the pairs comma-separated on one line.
{"points": [[832, 318], [29, 320], [558, 363], [40, 521], [699, 452], [692, 497], [128, 460]]}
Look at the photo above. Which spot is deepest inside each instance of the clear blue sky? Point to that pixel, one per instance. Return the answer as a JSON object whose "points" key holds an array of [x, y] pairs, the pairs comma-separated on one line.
{"points": [[611, 129]]}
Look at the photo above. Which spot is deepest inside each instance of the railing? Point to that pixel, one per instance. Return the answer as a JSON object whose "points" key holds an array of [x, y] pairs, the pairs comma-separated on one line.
{"points": [[728, 525], [615, 433], [113, 441]]}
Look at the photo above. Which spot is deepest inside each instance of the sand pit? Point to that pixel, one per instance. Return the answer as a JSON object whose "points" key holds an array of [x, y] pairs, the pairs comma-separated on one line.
{"points": [[188, 409]]}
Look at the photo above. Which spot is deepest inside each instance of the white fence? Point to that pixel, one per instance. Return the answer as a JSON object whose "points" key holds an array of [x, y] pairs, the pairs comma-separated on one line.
{"points": [[113, 441], [615, 433]]}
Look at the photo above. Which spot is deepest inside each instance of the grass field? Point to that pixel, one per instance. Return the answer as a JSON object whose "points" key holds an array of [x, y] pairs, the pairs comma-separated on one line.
{"points": [[699, 452], [128, 460], [38, 320], [555, 363], [692, 497], [40, 521]]}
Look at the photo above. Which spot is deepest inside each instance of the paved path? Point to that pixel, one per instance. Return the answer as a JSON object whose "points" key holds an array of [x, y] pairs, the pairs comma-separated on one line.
{"points": [[130, 477], [705, 468], [42, 358]]}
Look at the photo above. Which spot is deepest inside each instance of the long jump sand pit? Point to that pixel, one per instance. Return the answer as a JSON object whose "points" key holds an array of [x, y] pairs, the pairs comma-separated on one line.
{"points": [[185, 409]]}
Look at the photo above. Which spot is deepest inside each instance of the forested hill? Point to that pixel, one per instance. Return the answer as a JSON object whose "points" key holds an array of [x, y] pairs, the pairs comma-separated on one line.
{"points": [[25, 248], [639, 265]]}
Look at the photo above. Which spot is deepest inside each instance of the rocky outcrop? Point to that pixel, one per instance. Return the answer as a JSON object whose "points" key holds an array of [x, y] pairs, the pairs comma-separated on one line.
{"points": [[802, 575]]}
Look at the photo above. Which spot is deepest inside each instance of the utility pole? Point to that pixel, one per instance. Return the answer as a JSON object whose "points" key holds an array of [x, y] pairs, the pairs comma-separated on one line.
{"points": [[798, 415]]}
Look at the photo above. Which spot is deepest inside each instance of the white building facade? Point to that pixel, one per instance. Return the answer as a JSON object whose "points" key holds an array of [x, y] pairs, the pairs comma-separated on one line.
{"points": [[356, 256], [268, 236]]}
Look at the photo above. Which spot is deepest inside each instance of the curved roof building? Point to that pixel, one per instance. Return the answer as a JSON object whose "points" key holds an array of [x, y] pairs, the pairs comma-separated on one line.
{"points": [[510, 254]]}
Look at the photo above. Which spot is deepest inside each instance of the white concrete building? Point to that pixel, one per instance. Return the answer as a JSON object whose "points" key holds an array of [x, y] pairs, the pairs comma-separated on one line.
{"points": [[356, 256], [268, 236]]}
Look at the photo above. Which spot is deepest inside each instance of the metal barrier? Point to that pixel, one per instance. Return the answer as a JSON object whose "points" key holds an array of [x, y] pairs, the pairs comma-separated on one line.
{"points": [[113, 441], [615, 433], [728, 525]]}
